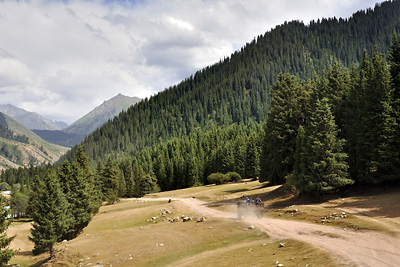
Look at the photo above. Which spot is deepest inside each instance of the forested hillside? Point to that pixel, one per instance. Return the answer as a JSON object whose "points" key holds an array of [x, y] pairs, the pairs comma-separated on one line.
{"points": [[237, 89], [212, 121]]}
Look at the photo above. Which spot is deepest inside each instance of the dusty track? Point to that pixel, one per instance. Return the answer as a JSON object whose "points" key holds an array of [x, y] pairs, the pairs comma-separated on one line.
{"points": [[351, 248]]}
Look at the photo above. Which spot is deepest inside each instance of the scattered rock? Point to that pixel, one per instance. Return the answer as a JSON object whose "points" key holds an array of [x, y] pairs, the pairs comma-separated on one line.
{"points": [[251, 227], [201, 219], [281, 245], [250, 249], [176, 219], [185, 219]]}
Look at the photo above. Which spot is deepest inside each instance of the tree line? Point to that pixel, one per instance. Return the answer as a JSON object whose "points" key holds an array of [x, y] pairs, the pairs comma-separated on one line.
{"points": [[342, 127]]}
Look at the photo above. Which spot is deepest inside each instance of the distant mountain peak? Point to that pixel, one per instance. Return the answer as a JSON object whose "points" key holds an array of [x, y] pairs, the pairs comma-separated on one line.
{"points": [[90, 122], [30, 120]]}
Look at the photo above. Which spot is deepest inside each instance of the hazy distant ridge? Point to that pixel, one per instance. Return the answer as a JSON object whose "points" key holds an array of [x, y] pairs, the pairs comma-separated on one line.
{"points": [[30, 120]]}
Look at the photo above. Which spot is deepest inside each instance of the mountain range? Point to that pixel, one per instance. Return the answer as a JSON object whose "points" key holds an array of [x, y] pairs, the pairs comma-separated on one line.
{"points": [[62, 134], [31, 120]]}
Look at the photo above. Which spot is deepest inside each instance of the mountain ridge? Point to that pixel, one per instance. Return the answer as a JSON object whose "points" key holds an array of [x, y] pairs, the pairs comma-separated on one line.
{"points": [[30, 120], [76, 132], [101, 114]]}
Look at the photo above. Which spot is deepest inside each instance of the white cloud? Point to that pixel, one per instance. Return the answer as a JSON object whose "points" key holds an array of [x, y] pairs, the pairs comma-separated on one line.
{"points": [[63, 58]]}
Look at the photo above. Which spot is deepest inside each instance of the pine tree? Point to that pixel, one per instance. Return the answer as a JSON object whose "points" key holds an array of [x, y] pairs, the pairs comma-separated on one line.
{"points": [[121, 184], [99, 180], [286, 114], [83, 163], [110, 180], [50, 220], [129, 179], [5, 252], [37, 185], [377, 125], [79, 201], [252, 158], [321, 165], [394, 58]]}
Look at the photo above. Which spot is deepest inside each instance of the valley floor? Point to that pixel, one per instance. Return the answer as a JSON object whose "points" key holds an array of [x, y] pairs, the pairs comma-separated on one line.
{"points": [[361, 230]]}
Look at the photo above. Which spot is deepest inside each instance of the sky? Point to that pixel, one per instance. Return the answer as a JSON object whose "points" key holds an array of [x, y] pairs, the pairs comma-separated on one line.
{"points": [[63, 58]]}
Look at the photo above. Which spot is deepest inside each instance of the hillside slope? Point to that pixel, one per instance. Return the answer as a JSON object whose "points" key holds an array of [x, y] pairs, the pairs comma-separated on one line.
{"points": [[101, 114], [24, 147], [237, 89]]}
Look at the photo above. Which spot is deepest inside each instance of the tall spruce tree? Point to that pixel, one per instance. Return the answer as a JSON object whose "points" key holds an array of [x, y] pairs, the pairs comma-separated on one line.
{"points": [[394, 58], [252, 158], [5, 252], [377, 125], [50, 219], [79, 200], [321, 165], [89, 179], [289, 101], [110, 180]]}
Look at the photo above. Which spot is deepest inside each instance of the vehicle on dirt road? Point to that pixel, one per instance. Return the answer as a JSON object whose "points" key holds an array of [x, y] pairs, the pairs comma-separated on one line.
{"points": [[246, 208]]}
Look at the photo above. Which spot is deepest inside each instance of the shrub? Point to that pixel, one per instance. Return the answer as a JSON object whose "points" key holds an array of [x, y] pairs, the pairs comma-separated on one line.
{"points": [[217, 178], [234, 176]]}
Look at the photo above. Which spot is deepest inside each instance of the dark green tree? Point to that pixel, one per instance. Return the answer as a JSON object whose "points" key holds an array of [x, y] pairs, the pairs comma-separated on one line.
{"points": [[127, 171], [79, 201], [110, 179], [5, 252], [394, 58], [50, 219], [286, 115], [89, 179], [377, 124], [252, 158], [146, 184], [320, 166]]}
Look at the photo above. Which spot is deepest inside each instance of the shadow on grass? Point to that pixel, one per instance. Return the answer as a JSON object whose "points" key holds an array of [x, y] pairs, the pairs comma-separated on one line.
{"points": [[377, 201], [39, 263]]}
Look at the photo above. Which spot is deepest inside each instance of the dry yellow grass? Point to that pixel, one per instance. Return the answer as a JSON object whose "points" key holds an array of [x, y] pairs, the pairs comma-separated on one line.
{"points": [[124, 234]]}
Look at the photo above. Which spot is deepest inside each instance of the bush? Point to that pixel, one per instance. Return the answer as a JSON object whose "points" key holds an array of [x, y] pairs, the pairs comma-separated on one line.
{"points": [[112, 199], [234, 176], [217, 178]]}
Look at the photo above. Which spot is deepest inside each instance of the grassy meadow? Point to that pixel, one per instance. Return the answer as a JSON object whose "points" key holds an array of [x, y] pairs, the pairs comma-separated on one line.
{"points": [[132, 232]]}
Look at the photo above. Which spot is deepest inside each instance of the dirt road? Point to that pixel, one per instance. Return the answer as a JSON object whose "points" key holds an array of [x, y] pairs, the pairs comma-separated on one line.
{"points": [[351, 248]]}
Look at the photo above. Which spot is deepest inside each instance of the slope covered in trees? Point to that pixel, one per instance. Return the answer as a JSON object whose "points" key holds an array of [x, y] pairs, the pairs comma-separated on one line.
{"points": [[236, 93], [349, 132], [237, 89]]}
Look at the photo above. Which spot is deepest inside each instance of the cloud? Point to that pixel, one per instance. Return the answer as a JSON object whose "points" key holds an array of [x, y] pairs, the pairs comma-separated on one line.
{"points": [[63, 58]]}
